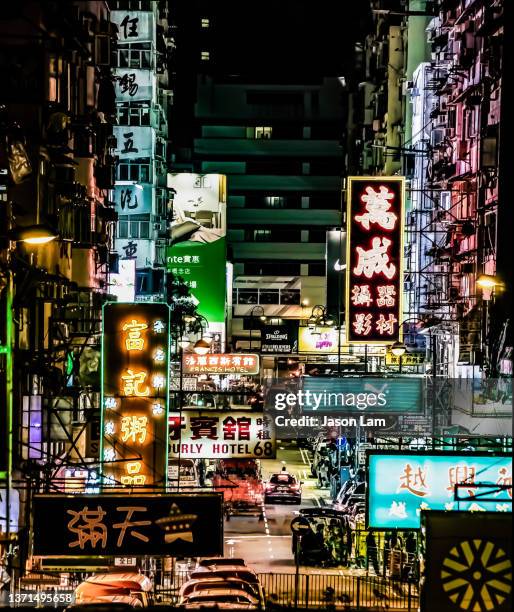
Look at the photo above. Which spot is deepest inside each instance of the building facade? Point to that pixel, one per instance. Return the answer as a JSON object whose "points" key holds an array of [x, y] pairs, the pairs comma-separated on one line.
{"points": [[58, 170], [143, 99]]}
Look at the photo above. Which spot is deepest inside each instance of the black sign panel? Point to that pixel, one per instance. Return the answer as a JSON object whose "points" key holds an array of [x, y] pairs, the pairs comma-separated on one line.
{"points": [[374, 274], [468, 561], [280, 338], [336, 266], [119, 525]]}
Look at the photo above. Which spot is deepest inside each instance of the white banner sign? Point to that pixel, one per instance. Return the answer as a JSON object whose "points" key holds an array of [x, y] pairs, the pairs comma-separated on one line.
{"points": [[134, 26], [131, 198], [221, 435], [135, 85], [134, 141]]}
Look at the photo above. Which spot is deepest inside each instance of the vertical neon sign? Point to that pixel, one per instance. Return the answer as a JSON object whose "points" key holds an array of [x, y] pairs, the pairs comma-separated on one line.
{"points": [[135, 383], [374, 274]]}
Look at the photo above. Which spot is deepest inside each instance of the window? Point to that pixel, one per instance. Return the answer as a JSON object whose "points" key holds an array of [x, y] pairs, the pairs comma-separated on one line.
{"points": [[140, 173], [205, 22], [274, 201], [134, 226], [263, 132], [281, 268], [205, 56], [122, 229], [262, 235]]}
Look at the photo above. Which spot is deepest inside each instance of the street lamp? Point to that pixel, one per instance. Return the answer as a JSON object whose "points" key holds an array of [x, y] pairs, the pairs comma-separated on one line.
{"points": [[487, 281], [201, 347], [32, 234], [262, 317], [398, 349]]}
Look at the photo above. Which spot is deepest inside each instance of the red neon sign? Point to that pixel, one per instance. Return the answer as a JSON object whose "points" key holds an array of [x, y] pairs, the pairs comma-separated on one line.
{"points": [[374, 259]]}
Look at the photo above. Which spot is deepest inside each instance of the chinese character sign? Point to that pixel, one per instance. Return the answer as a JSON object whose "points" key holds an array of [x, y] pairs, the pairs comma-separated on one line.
{"points": [[135, 85], [229, 435], [134, 26], [374, 273], [171, 525], [135, 348], [401, 485], [133, 142], [235, 363]]}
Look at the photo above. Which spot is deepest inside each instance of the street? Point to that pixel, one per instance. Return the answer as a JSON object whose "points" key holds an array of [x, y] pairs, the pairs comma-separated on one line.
{"points": [[266, 545]]}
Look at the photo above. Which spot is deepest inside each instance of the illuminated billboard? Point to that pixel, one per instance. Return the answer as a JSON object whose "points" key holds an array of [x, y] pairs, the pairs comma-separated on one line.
{"points": [[400, 485], [374, 273], [198, 245], [135, 383], [236, 363], [320, 339], [172, 525], [229, 435]]}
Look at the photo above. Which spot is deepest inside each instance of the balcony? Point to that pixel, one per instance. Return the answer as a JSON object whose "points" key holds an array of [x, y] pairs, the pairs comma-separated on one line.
{"points": [[299, 251], [267, 147], [266, 216], [274, 183]]}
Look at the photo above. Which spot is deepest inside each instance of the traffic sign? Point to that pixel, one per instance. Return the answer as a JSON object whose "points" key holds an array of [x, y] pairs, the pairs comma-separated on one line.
{"points": [[300, 525]]}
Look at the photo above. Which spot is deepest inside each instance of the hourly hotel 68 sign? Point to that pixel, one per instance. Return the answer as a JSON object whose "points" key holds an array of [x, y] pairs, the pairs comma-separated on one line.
{"points": [[374, 259]]}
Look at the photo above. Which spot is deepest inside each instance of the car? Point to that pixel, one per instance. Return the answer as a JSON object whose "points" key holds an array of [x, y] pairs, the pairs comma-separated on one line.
{"points": [[202, 584], [221, 599], [283, 486], [120, 588], [226, 571]]}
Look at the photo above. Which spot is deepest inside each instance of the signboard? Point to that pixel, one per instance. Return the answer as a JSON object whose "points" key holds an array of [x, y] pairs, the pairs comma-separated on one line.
{"points": [[135, 372], [229, 435], [134, 85], [363, 393], [133, 198], [141, 250], [236, 363], [134, 26], [468, 562], [133, 141], [198, 251], [121, 525], [400, 485], [279, 338], [319, 340], [407, 359], [374, 256], [336, 267]]}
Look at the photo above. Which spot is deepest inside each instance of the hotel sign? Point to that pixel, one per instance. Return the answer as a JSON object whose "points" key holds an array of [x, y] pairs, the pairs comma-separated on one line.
{"points": [[235, 363], [374, 274], [229, 435], [135, 346]]}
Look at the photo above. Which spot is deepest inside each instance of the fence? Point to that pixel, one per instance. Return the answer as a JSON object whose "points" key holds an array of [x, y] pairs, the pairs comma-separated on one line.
{"points": [[327, 591]]}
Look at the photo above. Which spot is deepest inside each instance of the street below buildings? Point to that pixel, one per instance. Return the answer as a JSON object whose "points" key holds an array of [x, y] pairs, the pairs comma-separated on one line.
{"points": [[266, 545]]}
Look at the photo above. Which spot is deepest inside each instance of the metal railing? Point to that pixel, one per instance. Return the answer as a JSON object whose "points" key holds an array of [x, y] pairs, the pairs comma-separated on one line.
{"points": [[327, 591]]}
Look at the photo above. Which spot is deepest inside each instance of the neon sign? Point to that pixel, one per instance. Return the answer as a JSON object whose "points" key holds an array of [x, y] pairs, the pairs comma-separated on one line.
{"points": [[374, 259], [135, 348]]}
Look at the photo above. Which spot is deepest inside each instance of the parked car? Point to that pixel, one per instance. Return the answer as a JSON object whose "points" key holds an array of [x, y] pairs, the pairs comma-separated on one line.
{"points": [[283, 486], [218, 561], [116, 588], [202, 584], [226, 571]]}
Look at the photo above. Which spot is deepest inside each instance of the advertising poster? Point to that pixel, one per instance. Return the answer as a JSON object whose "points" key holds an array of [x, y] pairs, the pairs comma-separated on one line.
{"points": [[135, 383], [400, 486], [120, 525], [336, 268], [229, 435], [321, 339], [281, 339], [374, 257], [198, 251]]}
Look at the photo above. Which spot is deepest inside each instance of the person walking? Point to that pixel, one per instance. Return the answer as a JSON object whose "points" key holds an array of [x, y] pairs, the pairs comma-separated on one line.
{"points": [[372, 552]]}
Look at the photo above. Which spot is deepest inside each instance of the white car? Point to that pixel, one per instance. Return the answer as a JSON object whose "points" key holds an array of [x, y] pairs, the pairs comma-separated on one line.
{"points": [[204, 584], [226, 571]]}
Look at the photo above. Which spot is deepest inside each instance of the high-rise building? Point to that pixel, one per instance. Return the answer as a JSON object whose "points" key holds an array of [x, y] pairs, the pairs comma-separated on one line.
{"points": [[143, 98]]}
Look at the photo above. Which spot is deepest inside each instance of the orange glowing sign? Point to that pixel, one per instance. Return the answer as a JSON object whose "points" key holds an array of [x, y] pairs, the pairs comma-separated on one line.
{"points": [[134, 394]]}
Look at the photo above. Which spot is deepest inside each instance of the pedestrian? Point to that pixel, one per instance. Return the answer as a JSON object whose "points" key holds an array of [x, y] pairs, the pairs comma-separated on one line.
{"points": [[372, 552]]}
